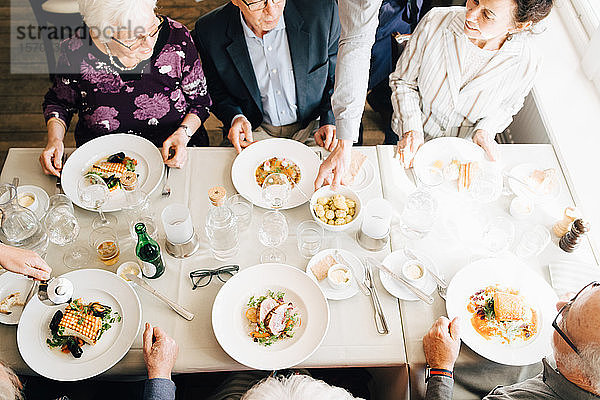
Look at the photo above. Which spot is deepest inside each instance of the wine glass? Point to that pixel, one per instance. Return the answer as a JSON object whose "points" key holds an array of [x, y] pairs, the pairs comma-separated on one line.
{"points": [[63, 228], [419, 214], [274, 226], [139, 210], [273, 231], [276, 190], [93, 193]]}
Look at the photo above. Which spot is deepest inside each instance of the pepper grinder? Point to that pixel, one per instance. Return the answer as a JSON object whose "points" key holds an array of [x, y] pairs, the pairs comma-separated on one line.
{"points": [[562, 227], [571, 239]]}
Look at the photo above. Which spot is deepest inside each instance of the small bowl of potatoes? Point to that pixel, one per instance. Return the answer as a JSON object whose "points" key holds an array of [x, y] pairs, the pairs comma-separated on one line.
{"points": [[335, 210]]}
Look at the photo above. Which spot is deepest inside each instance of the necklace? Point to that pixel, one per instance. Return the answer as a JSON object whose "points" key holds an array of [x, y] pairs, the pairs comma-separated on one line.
{"points": [[112, 61]]}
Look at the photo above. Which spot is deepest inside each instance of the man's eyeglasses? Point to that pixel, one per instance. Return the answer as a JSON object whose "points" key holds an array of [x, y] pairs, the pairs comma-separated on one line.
{"points": [[202, 277], [134, 44], [561, 313], [260, 4]]}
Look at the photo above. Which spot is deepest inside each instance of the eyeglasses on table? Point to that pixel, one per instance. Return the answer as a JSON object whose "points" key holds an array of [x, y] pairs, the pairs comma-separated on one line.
{"points": [[203, 277], [561, 314]]}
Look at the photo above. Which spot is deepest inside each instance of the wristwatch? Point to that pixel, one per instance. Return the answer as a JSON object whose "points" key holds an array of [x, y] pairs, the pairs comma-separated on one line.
{"points": [[429, 372], [187, 130]]}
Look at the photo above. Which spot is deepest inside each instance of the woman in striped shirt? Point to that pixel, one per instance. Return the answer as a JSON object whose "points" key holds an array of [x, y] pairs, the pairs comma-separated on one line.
{"points": [[465, 72]]}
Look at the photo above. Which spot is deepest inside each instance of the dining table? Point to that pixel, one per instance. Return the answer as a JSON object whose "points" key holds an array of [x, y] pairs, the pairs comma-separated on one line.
{"points": [[352, 338]]}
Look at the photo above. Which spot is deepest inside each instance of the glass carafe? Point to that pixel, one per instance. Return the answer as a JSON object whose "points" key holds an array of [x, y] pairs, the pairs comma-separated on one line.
{"points": [[18, 225]]}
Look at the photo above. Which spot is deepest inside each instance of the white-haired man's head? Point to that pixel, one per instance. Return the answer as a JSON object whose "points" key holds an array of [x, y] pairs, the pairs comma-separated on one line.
{"points": [[10, 385], [106, 18], [296, 387], [580, 322]]}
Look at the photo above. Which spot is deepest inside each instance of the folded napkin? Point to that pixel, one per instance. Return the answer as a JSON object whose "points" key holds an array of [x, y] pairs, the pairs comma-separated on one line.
{"points": [[571, 276]]}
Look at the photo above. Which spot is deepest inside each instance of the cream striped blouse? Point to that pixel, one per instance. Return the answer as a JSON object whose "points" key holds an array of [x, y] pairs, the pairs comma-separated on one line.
{"points": [[426, 85]]}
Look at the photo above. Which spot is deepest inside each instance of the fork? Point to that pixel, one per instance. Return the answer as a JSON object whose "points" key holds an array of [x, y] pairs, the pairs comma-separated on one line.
{"points": [[380, 322], [166, 190]]}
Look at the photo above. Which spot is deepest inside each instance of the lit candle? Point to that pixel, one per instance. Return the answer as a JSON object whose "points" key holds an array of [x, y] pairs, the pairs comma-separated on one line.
{"points": [[178, 225]]}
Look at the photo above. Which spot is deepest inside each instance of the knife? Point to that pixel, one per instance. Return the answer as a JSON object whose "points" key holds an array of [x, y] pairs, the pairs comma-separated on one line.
{"points": [[380, 322], [418, 292], [58, 189], [176, 307], [440, 281]]}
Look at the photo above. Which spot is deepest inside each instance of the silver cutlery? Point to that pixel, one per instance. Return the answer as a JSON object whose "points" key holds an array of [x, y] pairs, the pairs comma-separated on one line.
{"points": [[58, 189], [437, 278], [15, 181], [166, 190], [340, 260], [176, 307], [418, 292], [380, 322]]}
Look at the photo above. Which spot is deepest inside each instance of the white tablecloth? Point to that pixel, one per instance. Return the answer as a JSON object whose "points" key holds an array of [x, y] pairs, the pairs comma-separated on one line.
{"points": [[450, 255], [352, 339]]}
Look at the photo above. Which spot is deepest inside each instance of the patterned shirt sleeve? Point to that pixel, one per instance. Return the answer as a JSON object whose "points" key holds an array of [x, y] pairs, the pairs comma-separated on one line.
{"points": [[193, 81], [62, 99]]}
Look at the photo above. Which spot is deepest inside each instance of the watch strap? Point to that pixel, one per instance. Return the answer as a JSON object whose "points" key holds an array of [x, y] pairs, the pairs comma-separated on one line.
{"points": [[429, 372], [187, 130]]}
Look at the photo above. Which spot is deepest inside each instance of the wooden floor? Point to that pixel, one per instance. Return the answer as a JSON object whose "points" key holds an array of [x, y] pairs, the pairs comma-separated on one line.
{"points": [[21, 120]]}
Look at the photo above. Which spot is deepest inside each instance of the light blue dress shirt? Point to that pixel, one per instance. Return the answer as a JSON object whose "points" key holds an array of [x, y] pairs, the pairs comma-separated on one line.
{"points": [[274, 73]]}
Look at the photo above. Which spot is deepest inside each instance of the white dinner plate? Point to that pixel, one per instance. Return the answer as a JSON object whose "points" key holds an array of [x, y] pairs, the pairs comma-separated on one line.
{"points": [[444, 149], [523, 172], [89, 285], [41, 196], [232, 329], [150, 166], [244, 168], [506, 273], [364, 178], [11, 283], [394, 262], [354, 264]]}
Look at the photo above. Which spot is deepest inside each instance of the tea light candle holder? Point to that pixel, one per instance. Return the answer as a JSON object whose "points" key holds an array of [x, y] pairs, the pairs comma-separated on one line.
{"points": [[181, 241], [374, 233]]}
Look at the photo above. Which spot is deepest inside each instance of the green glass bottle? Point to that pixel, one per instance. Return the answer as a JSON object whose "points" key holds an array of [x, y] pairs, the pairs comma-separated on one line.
{"points": [[148, 251]]}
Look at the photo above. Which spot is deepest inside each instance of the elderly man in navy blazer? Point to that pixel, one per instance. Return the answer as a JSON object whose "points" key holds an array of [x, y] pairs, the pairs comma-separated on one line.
{"points": [[270, 68]]}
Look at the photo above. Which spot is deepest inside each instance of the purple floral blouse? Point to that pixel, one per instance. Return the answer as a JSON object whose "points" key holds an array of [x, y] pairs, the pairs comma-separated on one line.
{"points": [[150, 101]]}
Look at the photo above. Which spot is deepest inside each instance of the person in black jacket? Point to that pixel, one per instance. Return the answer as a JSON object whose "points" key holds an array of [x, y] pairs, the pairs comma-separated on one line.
{"points": [[270, 76]]}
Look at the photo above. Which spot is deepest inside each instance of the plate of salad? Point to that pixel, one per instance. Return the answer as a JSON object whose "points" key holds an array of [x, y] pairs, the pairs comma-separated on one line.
{"points": [[124, 161], [270, 316]]}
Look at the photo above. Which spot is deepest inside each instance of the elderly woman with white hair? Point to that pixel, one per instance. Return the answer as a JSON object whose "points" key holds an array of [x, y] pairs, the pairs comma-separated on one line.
{"points": [[129, 71]]}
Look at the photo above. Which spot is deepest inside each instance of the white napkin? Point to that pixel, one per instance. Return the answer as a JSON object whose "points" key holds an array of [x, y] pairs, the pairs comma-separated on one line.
{"points": [[571, 276]]}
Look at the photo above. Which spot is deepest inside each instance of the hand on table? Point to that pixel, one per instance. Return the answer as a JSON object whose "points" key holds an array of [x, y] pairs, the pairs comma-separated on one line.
{"points": [[442, 343], [240, 133], [337, 164], [24, 262], [407, 147], [325, 137], [51, 157], [160, 352], [487, 143], [175, 144]]}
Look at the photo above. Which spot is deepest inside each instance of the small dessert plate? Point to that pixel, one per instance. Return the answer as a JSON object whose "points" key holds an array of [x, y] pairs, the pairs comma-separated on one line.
{"points": [[396, 262], [354, 265], [41, 199]]}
